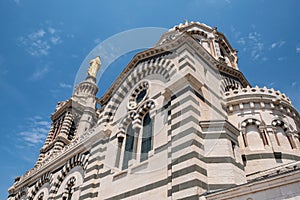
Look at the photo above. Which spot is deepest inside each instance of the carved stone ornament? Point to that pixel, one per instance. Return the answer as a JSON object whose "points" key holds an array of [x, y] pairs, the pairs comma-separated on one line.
{"points": [[94, 67]]}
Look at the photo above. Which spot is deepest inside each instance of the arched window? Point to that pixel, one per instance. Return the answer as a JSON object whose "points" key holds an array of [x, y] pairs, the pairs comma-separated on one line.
{"points": [[72, 131], [136, 148], [41, 196], [43, 192], [69, 184], [23, 197], [69, 189], [146, 137], [283, 139], [141, 95], [129, 146], [254, 139]]}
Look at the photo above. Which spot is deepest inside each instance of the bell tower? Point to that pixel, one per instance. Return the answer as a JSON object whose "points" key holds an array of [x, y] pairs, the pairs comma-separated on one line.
{"points": [[85, 95], [73, 116]]}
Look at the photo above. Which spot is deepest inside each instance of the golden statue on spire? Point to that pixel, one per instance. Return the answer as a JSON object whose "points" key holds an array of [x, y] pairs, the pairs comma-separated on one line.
{"points": [[94, 66]]}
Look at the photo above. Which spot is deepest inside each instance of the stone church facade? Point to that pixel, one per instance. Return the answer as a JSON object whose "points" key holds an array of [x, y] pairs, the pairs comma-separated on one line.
{"points": [[180, 122]]}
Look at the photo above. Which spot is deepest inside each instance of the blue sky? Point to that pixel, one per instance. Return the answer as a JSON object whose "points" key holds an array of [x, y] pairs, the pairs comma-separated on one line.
{"points": [[43, 44]]}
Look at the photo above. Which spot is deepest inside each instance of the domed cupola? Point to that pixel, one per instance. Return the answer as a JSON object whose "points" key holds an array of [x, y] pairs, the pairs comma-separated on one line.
{"points": [[214, 42], [269, 127]]}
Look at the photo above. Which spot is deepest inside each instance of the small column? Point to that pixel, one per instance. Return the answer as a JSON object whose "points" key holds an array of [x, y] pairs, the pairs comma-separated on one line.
{"points": [[136, 146], [120, 149], [263, 135]]}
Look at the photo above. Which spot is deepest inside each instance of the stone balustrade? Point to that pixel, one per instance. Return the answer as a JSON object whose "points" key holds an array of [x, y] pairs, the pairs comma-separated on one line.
{"points": [[257, 91]]}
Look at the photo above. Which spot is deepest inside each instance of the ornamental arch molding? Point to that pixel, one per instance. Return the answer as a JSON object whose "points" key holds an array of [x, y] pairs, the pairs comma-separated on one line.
{"points": [[22, 194], [78, 160], [144, 108], [228, 84], [251, 121], [126, 121], [46, 178], [253, 134], [281, 124], [283, 134], [163, 67], [135, 116]]}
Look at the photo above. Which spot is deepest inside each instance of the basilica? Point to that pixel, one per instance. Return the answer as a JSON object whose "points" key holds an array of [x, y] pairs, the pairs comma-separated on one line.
{"points": [[180, 122]]}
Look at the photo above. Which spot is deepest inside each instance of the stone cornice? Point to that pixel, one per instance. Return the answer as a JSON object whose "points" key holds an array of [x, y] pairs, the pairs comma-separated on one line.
{"points": [[169, 47], [219, 124], [61, 158], [60, 109], [265, 183], [135, 60], [267, 99], [186, 27], [233, 72]]}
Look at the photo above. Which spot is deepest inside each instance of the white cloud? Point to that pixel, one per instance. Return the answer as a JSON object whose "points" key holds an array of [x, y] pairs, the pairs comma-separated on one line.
{"points": [[64, 85], [35, 131], [298, 49], [277, 44], [241, 41], [55, 40], [51, 30], [254, 44], [257, 50], [39, 42], [254, 36], [39, 73], [271, 84], [294, 84], [236, 34]]}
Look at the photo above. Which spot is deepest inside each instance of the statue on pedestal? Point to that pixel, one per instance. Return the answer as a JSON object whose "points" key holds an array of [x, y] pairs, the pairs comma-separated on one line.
{"points": [[94, 67]]}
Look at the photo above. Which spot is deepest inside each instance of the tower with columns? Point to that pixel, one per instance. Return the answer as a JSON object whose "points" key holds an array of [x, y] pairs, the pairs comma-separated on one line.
{"points": [[180, 122]]}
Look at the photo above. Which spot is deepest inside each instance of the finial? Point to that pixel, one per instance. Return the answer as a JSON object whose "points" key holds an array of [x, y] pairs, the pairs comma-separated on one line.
{"points": [[94, 66]]}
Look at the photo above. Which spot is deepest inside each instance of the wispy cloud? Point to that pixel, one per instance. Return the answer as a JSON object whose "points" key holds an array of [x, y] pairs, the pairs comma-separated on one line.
{"points": [[39, 73], [281, 58], [271, 84], [35, 131], [236, 34], [254, 44], [294, 83], [64, 85], [241, 41], [39, 42], [298, 49], [277, 44]]}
